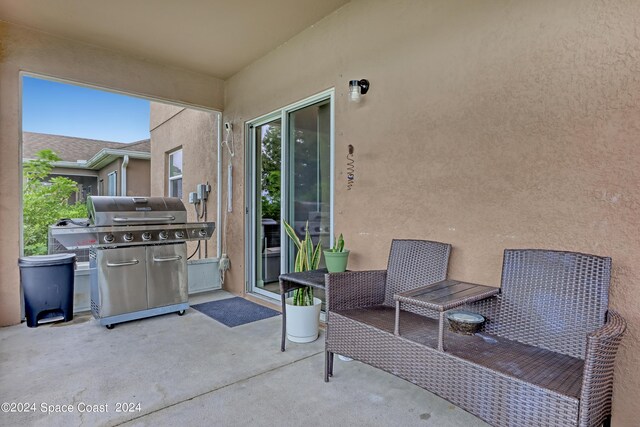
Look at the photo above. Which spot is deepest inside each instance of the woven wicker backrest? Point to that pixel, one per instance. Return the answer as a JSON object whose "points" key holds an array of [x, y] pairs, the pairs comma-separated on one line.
{"points": [[414, 263], [552, 299]]}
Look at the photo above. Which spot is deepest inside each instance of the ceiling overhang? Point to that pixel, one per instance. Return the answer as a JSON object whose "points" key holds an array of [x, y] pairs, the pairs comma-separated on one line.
{"points": [[215, 37]]}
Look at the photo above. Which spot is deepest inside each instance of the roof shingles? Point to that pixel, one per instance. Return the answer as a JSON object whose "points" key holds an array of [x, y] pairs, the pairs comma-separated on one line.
{"points": [[71, 149]]}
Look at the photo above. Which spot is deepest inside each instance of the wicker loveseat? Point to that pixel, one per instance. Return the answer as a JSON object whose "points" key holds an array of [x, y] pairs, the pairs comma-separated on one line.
{"points": [[545, 356]]}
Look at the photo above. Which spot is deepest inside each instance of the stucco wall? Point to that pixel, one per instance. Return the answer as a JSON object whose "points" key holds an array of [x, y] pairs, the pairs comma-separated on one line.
{"points": [[26, 50], [488, 125], [195, 132], [139, 177], [160, 113]]}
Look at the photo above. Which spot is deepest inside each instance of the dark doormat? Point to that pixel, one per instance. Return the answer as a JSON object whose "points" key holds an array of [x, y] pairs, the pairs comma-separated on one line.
{"points": [[235, 311]]}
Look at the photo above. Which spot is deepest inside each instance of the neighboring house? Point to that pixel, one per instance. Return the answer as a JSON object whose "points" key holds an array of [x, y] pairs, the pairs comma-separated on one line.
{"points": [[183, 155], [99, 167]]}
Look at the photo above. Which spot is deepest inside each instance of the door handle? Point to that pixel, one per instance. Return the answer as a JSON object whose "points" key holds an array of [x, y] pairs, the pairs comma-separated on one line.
{"points": [[144, 219], [122, 264], [171, 258]]}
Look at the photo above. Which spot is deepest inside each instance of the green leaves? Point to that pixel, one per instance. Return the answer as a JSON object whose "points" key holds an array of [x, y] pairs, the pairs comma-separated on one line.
{"points": [[292, 234], [45, 202], [338, 244], [315, 259], [303, 296], [307, 258], [270, 172]]}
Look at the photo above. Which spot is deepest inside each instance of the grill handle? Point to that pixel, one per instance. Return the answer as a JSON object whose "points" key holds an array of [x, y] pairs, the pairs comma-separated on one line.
{"points": [[171, 258], [144, 219], [122, 264]]}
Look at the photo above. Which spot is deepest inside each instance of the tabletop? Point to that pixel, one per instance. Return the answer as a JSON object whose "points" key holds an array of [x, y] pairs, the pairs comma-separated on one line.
{"points": [[446, 294], [313, 278]]}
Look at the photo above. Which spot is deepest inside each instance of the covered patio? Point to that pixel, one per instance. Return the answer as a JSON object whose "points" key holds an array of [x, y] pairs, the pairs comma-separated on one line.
{"points": [[192, 370], [487, 125]]}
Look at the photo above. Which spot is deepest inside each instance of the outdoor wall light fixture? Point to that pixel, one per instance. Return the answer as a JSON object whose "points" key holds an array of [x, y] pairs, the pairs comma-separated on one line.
{"points": [[357, 88]]}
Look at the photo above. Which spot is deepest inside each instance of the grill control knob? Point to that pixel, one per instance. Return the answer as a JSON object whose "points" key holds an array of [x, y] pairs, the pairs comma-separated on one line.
{"points": [[179, 234], [202, 233], [163, 235], [146, 236], [128, 237], [108, 238]]}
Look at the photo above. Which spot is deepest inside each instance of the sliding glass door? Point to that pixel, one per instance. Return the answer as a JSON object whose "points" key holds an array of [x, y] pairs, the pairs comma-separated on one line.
{"points": [[290, 159]]}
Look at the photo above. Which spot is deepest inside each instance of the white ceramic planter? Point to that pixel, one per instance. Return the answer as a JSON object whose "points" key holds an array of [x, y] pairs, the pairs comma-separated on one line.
{"points": [[303, 321]]}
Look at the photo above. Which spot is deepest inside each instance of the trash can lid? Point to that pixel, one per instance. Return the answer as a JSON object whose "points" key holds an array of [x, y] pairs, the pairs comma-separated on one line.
{"points": [[46, 260]]}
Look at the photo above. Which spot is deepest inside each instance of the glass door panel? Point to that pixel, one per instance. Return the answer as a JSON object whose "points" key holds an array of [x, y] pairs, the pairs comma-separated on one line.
{"points": [[309, 172], [309, 176], [268, 163]]}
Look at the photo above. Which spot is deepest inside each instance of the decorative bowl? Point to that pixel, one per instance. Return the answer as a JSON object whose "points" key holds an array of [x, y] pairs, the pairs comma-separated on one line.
{"points": [[465, 322]]}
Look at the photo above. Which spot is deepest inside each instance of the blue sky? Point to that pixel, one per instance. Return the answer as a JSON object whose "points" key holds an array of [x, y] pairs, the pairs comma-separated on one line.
{"points": [[64, 109]]}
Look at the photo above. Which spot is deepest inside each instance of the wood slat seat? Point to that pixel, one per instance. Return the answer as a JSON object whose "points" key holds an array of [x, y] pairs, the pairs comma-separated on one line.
{"points": [[544, 368]]}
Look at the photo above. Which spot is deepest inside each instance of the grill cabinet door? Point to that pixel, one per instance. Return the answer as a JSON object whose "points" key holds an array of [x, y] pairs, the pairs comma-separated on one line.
{"points": [[167, 274], [122, 282]]}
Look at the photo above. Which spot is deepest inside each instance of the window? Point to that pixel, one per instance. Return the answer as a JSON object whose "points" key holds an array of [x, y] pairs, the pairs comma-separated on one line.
{"points": [[175, 174], [112, 183]]}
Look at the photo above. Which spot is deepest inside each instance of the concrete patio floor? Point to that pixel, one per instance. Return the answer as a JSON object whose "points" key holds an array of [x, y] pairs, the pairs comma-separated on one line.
{"points": [[192, 370]]}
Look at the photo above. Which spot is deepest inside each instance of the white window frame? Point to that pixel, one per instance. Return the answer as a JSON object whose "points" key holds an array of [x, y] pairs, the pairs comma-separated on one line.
{"points": [[176, 177], [113, 174]]}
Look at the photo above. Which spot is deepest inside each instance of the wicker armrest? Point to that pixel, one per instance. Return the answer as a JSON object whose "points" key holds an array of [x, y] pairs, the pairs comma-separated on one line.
{"points": [[597, 378], [355, 289]]}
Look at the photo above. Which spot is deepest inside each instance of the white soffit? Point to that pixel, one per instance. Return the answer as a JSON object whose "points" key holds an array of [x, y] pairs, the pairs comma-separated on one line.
{"points": [[214, 37]]}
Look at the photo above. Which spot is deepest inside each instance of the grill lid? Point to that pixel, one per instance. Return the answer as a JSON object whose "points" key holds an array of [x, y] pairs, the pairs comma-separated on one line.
{"points": [[108, 210]]}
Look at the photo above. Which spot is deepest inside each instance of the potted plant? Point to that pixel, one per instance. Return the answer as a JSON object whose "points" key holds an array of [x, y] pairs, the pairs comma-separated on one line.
{"points": [[337, 256], [303, 309]]}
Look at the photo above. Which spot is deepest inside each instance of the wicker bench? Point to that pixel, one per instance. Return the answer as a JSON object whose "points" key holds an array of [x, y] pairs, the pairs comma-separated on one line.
{"points": [[545, 356]]}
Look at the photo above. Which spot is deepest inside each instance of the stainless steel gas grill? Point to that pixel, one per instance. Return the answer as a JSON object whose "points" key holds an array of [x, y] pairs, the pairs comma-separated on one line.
{"points": [[138, 255]]}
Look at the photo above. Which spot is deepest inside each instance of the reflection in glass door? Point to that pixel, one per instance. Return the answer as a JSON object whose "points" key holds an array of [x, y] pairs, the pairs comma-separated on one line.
{"points": [[290, 163], [309, 170], [309, 177], [268, 164]]}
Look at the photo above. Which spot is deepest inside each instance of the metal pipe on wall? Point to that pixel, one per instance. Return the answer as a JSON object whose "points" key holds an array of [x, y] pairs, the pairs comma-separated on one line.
{"points": [[123, 175], [219, 191]]}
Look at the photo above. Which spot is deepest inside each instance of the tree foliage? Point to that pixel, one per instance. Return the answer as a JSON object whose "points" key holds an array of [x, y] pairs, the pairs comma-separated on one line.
{"points": [[45, 201], [270, 176]]}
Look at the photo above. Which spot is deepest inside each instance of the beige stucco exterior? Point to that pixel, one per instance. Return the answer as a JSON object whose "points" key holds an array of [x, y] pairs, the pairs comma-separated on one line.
{"points": [[488, 125], [196, 133], [139, 177], [26, 50]]}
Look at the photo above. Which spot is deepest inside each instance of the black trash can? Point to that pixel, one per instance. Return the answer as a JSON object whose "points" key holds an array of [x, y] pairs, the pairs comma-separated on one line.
{"points": [[47, 282]]}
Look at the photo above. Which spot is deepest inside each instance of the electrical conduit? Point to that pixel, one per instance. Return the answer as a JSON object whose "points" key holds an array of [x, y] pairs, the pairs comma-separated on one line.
{"points": [[123, 175]]}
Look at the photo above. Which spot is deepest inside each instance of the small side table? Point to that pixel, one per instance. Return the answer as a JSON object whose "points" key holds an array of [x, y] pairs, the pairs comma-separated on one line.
{"points": [[442, 296], [291, 281]]}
